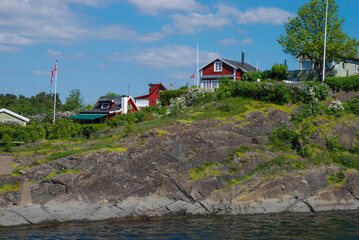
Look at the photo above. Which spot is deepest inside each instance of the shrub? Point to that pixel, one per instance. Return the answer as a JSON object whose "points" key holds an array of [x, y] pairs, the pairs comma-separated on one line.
{"points": [[166, 96], [252, 76], [306, 92], [352, 105], [335, 108], [350, 83], [313, 108], [285, 137], [279, 72]]}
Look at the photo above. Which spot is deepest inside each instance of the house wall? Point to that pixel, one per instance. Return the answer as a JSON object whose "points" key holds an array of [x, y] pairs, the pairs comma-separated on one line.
{"points": [[209, 70], [347, 69], [238, 76], [6, 117]]}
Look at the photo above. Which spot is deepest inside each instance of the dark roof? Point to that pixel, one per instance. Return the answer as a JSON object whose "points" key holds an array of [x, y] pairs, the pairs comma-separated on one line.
{"points": [[96, 109], [245, 68], [235, 64], [153, 87]]}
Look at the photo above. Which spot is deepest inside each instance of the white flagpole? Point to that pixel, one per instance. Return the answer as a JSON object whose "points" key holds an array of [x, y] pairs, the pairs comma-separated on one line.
{"points": [[197, 79], [55, 92], [325, 40]]}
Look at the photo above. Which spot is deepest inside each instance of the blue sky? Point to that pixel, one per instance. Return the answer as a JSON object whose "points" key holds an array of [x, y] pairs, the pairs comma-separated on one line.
{"points": [[105, 45]]}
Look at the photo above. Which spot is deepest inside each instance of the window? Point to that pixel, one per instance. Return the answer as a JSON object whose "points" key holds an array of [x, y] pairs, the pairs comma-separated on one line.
{"points": [[105, 106], [205, 84], [343, 65], [356, 68], [307, 65], [218, 66], [215, 84], [143, 102]]}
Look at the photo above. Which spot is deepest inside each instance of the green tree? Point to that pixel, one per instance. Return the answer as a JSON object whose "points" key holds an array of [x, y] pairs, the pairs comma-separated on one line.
{"points": [[304, 35], [112, 94], [252, 76], [74, 101], [279, 72]]}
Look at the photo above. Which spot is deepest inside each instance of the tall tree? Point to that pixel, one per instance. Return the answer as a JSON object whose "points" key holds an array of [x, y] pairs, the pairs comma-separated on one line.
{"points": [[305, 35], [74, 101]]}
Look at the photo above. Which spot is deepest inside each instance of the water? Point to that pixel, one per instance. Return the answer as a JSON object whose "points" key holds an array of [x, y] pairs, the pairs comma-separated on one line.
{"points": [[334, 225]]}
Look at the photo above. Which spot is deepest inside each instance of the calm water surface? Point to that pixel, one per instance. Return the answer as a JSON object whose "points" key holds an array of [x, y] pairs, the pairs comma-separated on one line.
{"points": [[342, 225]]}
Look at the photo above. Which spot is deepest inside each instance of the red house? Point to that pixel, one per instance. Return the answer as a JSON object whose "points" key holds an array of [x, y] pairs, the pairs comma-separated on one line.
{"points": [[152, 98], [221, 67], [106, 108]]}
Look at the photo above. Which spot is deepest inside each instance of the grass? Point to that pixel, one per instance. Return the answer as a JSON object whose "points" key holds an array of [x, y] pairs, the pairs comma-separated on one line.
{"points": [[10, 187], [204, 171], [62, 171]]}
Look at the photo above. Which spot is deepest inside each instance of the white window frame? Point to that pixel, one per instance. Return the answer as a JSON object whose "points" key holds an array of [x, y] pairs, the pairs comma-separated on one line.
{"points": [[356, 68], [218, 66], [105, 106]]}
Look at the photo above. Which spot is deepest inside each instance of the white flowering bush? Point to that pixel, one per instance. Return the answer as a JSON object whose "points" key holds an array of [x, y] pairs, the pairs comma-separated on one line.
{"points": [[193, 97], [335, 108]]}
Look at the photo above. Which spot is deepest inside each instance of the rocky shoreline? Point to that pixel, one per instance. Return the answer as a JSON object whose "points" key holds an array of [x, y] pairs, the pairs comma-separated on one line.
{"points": [[151, 178]]}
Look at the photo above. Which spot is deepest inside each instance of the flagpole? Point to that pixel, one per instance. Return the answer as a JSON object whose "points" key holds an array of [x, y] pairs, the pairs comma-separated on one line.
{"points": [[197, 80], [55, 93], [325, 41]]}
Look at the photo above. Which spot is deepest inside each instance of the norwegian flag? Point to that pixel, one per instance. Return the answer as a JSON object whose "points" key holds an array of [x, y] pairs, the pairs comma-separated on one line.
{"points": [[52, 76]]}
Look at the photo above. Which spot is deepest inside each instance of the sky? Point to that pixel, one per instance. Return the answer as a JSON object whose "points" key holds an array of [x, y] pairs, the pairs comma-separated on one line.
{"points": [[121, 46]]}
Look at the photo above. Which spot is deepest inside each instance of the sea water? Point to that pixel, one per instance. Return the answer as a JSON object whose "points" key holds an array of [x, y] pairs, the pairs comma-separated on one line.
{"points": [[333, 225]]}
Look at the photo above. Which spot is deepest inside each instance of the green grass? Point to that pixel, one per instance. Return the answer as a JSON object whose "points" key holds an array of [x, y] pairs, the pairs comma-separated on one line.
{"points": [[62, 171], [10, 187], [204, 171]]}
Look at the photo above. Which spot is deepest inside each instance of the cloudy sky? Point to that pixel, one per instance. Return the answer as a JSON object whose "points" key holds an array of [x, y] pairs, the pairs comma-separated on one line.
{"points": [[123, 45]]}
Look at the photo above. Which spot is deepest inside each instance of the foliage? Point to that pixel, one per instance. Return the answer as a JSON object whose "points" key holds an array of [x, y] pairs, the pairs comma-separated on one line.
{"points": [[194, 97], [284, 137], [353, 105], [304, 35], [41, 103], [307, 92], [112, 94], [335, 108], [204, 171], [225, 88], [332, 143], [313, 108], [252, 76], [350, 83], [74, 102], [279, 72], [275, 92], [166, 96]]}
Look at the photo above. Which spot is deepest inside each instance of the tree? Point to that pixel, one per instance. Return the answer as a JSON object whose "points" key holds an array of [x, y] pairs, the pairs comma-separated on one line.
{"points": [[74, 101], [279, 72], [112, 94], [304, 35], [252, 76]]}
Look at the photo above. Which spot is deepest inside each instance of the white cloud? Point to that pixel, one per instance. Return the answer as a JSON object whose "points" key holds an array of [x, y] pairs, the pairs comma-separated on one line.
{"points": [[9, 49], [229, 42], [274, 16], [247, 41], [262, 15], [103, 66], [24, 22], [225, 16], [58, 55], [41, 73], [170, 56], [196, 22], [153, 7]]}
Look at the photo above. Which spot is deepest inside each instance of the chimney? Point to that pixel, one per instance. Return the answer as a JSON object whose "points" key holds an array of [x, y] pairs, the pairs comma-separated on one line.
{"points": [[124, 102], [242, 58]]}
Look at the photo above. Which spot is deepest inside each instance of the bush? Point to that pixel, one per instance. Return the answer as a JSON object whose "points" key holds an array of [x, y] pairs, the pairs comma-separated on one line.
{"points": [[275, 92], [279, 72], [313, 108], [285, 137], [306, 92], [352, 105], [252, 76], [166, 96], [350, 83], [335, 108]]}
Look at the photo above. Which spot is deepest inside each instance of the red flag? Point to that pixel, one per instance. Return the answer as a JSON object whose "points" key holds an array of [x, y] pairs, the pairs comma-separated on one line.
{"points": [[55, 67], [52, 76], [193, 76]]}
